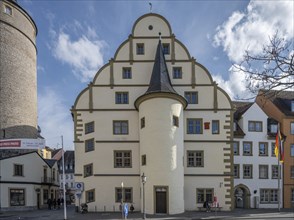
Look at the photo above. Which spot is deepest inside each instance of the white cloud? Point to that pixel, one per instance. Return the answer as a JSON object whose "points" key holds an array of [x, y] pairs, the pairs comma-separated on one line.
{"points": [[54, 119], [84, 55], [250, 30]]}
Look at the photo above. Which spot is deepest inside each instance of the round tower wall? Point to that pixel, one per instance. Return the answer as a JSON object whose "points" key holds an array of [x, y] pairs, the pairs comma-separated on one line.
{"points": [[162, 143], [18, 85]]}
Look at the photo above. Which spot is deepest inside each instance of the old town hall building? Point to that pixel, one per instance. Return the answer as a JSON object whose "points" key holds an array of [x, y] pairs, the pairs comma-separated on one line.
{"points": [[153, 110]]}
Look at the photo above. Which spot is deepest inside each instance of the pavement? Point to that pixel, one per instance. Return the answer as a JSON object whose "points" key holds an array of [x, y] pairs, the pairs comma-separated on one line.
{"points": [[71, 214]]}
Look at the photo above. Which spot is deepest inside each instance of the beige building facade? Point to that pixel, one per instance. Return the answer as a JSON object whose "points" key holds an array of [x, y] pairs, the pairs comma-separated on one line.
{"points": [[153, 110]]}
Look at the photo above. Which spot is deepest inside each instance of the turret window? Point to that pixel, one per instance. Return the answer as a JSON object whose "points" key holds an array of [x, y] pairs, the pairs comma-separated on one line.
{"points": [[7, 10], [176, 121], [143, 122]]}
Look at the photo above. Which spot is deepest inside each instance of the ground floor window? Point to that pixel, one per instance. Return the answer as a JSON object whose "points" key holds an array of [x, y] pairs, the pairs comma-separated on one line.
{"points": [[204, 195], [292, 195], [268, 195], [45, 195], [90, 195], [17, 197], [127, 195]]}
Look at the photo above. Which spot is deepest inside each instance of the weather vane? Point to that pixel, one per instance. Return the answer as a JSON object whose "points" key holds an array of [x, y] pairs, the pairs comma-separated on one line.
{"points": [[150, 4]]}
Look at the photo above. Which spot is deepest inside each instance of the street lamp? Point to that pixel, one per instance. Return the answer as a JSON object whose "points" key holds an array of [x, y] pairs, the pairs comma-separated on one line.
{"points": [[122, 200], [144, 178]]}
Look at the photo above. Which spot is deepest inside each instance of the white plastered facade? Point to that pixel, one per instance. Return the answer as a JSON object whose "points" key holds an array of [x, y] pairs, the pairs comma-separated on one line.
{"points": [[164, 145]]}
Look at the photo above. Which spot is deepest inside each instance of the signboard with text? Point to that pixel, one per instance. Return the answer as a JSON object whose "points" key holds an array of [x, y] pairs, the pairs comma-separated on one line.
{"points": [[22, 143]]}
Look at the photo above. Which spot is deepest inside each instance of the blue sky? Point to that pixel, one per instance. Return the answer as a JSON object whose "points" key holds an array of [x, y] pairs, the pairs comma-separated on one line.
{"points": [[77, 37]]}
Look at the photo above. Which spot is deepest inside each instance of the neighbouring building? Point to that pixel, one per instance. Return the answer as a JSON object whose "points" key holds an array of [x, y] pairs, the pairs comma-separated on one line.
{"points": [[153, 110], [256, 167], [279, 105], [27, 181]]}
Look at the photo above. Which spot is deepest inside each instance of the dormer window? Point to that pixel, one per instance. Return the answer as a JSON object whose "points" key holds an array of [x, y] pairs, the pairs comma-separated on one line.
{"points": [[274, 128]]}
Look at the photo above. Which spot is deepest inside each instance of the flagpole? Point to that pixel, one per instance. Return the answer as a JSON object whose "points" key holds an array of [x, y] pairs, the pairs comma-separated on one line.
{"points": [[279, 177], [63, 183]]}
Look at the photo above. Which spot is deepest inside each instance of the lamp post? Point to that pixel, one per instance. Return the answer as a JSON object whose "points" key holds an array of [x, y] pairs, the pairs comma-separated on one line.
{"points": [[122, 200], [144, 178]]}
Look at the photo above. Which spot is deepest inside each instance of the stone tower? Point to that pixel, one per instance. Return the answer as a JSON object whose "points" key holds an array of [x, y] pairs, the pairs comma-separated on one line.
{"points": [[18, 81]]}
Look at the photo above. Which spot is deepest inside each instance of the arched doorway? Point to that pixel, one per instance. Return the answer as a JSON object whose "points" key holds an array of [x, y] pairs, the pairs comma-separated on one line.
{"points": [[242, 196]]}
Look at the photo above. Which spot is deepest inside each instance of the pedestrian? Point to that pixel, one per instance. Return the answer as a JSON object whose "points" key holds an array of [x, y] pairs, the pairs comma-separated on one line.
{"points": [[49, 203], [58, 203], [206, 205], [54, 203], [126, 210], [62, 201], [132, 208]]}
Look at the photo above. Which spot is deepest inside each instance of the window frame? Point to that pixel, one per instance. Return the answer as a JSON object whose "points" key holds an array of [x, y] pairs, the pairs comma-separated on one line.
{"points": [[292, 128], [140, 49], [121, 192], [275, 171], [121, 98], [238, 171], [7, 10], [127, 73], [175, 121], [254, 128], [21, 197], [202, 200], [268, 195], [194, 130], [121, 130], [88, 197], [244, 143], [238, 147], [144, 160], [291, 172], [142, 120], [89, 148], [218, 126], [263, 174], [18, 170], [189, 97], [89, 127], [177, 72], [251, 171], [123, 158], [166, 48], [265, 149]]}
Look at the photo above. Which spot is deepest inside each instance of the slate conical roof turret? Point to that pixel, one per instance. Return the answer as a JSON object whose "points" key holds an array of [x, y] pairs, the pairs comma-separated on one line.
{"points": [[160, 83]]}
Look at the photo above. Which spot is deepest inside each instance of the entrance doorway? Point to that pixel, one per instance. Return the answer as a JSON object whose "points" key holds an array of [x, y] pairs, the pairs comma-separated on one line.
{"points": [[161, 199], [242, 196]]}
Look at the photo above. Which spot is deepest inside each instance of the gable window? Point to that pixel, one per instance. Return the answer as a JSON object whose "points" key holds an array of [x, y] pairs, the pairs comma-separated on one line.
{"points": [[247, 171], [17, 197], [215, 127], [194, 126], [120, 127], [191, 97], [236, 171], [127, 73], [143, 122], [89, 127], [126, 195], [204, 195], [121, 98], [263, 149], [255, 126], [236, 148], [273, 128], [88, 170], [140, 49], [165, 48], [247, 148], [122, 159], [18, 170], [195, 158], [263, 171], [177, 72], [275, 171], [90, 195], [7, 10], [89, 145], [175, 121]]}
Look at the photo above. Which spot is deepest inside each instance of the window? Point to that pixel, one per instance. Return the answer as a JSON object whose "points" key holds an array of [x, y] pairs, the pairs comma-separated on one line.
{"points": [[275, 171], [263, 171], [165, 48], [120, 127], [268, 195], [127, 73], [263, 149], [273, 149], [45, 195], [292, 128], [88, 170], [292, 195], [236, 171], [292, 172], [191, 97], [215, 126], [255, 126], [175, 121], [90, 195], [89, 145], [66, 176], [7, 10], [17, 197], [18, 170], [195, 158], [122, 159], [121, 98], [292, 106], [140, 49], [247, 148], [292, 150], [143, 122], [144, 160], [247, 171], [236, 148], [177, 72], [127, 195], [204, 195], [273, 128], [53, 174], [194, 126], [89, 127]]}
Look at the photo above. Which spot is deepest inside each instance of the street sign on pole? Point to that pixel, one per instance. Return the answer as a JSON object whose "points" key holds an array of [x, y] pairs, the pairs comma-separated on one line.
{"points": [[79, 186]]}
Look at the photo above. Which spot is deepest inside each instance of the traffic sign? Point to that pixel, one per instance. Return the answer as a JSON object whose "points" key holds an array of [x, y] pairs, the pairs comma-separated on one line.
{"points": [[79, 186]]}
